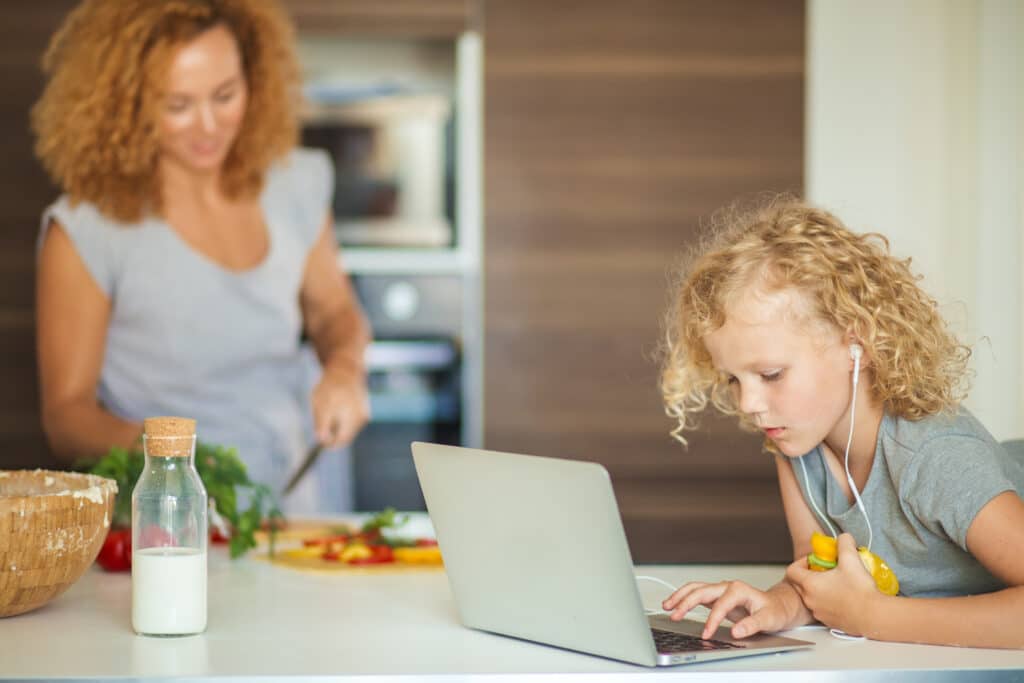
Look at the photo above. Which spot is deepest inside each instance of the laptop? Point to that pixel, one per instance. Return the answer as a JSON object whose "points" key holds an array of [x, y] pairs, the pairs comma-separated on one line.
{"points": [[534, 548]]}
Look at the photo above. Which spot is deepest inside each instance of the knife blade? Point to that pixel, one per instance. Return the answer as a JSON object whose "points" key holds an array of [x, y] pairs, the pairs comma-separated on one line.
{"points": [[311, 457]]}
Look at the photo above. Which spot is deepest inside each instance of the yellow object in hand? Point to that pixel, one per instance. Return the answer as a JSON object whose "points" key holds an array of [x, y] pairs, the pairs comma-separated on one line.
{"points": [[825, 555]]}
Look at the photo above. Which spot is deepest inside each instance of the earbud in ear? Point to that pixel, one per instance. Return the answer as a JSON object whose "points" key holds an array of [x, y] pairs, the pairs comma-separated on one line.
{"points": [[856, 351]]}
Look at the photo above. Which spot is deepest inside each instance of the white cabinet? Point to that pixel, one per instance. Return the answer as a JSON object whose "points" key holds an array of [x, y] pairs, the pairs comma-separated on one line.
{"points": [[401, 119]]}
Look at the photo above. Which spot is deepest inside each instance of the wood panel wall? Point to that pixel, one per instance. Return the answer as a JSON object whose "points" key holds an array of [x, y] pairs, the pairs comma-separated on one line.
{"points": [[383, 18], [24, 33], [611, 130]]}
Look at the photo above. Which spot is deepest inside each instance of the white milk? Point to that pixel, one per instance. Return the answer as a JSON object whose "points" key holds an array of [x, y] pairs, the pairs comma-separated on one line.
{"points": [[169, 591]]}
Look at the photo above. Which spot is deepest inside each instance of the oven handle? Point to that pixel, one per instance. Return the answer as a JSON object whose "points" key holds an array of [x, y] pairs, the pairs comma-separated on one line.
{"points": [[392, 354]]}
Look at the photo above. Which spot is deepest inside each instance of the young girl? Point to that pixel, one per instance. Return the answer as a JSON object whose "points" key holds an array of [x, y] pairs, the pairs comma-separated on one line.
{"points": [[821, 339]]}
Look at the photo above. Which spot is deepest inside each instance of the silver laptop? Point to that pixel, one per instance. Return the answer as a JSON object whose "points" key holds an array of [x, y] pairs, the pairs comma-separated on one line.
{"points": [[534, 548]]}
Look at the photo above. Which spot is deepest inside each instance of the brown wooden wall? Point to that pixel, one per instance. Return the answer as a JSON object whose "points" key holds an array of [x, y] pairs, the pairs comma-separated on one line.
{"points": [[611, 129], [24, 32]]}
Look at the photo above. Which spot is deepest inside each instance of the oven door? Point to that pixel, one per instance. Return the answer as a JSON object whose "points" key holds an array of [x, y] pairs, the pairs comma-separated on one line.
{"points": [[414, 396]]}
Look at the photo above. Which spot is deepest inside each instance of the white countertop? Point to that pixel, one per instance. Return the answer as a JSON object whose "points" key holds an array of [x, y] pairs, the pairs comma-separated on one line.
{"points": [[266, 620]]}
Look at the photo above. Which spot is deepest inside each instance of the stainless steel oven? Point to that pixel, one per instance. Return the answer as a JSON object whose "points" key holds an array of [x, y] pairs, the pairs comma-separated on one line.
{"points": [[415, 375]]}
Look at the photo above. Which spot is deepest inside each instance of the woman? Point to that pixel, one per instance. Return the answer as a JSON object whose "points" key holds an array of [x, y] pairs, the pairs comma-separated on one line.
{"points": [[193, 245]]}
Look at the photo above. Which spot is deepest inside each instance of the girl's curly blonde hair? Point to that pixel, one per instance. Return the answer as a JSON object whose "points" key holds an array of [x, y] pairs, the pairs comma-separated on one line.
{"points": [[850, 281], [96, 120]]}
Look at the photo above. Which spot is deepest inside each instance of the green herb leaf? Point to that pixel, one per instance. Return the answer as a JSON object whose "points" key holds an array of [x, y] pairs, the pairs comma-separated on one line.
{"points": [[385, 519], [223, 474]]}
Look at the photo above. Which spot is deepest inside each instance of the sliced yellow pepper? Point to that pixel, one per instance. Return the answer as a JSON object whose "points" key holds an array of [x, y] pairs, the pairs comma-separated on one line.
{"points": [[305, 551], [355, 551], [419, 555]]}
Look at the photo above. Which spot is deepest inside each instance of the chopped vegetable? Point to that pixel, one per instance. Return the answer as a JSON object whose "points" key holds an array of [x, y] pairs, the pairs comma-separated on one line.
{"points": [[427, 554], [386, 519], [379, 554], [223, 475], [368, 545]]}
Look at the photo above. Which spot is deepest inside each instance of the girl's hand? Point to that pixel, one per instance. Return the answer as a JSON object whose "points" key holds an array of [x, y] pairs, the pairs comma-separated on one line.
{"points": [[341, 406], [751, 610], [839, 598]]}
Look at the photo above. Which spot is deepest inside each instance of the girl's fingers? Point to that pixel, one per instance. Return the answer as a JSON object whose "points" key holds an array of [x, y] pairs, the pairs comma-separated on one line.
{"points": [[680, 593], [747, 626], [702, 594], [731, 599]]}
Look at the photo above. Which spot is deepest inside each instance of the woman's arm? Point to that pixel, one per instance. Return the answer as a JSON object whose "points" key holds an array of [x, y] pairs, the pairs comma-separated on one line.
{"points": [[71, 326], [338, 329], [846, 598]]}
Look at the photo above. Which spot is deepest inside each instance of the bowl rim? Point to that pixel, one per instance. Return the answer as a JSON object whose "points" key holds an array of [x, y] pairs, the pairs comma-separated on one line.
{"points": [[88, 481]]}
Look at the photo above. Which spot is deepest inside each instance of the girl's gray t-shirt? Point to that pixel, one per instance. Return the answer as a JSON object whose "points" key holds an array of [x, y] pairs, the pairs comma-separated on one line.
{"points": [[929, 480], [189, 337]]}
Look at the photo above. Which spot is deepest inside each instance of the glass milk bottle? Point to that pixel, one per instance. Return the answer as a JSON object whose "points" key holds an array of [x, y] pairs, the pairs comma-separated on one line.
{"points": [[169, 533]]}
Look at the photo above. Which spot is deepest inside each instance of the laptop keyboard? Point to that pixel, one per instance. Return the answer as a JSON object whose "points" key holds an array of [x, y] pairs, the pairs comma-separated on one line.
{"points": [[669, 641]]}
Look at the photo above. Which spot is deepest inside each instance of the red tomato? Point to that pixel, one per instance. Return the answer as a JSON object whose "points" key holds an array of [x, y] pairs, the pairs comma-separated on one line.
{"points": [[278, 523], [325, 540], [155, 536], [367, 537], [426, 542], [116, 553], [381, 555], [217, 537]]}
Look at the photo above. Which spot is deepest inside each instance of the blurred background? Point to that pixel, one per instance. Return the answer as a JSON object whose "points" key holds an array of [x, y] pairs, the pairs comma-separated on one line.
{"points": [[517, 178]]}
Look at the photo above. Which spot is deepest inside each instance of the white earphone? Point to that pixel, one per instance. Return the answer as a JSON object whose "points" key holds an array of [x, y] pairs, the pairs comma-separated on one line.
{"points": [[856, 351]]}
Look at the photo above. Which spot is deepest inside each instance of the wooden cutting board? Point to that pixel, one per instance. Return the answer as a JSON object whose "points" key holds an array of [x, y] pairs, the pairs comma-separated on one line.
{"points": [[299, 530]]}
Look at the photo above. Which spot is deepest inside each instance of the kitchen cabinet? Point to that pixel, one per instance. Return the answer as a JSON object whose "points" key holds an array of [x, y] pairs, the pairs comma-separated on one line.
{"points": [[612, 130], [399, 112]]}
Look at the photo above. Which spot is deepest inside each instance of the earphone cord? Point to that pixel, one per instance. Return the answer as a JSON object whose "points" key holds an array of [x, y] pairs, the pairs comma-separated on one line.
{"points": [[846, 465], [648, 610], [810, 497], [846, 456]]}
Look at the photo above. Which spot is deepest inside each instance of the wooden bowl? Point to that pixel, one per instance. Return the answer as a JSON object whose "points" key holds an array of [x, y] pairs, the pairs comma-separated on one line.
{"points": [[52, 525]]}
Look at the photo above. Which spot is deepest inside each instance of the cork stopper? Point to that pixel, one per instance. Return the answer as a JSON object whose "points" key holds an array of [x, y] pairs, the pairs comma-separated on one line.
{"points": [[169, 436]]}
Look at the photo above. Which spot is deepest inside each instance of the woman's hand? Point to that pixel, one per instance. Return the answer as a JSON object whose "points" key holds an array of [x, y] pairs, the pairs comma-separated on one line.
{"points": [[840, 598], [341, 406], [751, 610]]}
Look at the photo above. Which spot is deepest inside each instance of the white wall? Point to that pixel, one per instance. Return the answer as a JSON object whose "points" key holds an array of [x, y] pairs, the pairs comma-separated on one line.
{"points": [[915, 111]]}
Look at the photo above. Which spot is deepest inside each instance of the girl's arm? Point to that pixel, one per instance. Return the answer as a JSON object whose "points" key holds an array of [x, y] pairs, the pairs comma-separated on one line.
{"points": [[845, 597], [340, 333], [996, 539], [751, 610], [72, 313]]}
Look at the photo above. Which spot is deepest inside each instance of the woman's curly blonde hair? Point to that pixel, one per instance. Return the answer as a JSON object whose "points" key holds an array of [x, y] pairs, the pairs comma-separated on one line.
{"points": [[106, 66], [850, 281]]}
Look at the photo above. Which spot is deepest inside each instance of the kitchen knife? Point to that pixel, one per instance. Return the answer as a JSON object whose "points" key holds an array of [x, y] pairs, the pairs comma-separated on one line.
{"points": [[311, 457]]}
